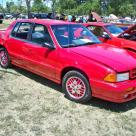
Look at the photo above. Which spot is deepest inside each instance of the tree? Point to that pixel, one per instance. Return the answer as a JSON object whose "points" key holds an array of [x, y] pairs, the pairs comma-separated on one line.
{"points": [[38, 6], [9, 6], [54, 4], [122, 7], [28, 5], [2, 10], [21, 7], [78, 6]]}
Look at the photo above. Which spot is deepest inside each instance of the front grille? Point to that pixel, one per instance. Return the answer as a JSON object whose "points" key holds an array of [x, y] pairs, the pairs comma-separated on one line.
{"points": [[133, 73]]}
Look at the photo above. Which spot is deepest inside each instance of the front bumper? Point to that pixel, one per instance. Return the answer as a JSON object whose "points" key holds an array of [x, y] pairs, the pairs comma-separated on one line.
{"points": [[114, 92]]}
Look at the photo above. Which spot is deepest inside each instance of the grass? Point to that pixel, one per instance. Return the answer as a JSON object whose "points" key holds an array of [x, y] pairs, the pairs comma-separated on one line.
{"points": [[32, 105]]}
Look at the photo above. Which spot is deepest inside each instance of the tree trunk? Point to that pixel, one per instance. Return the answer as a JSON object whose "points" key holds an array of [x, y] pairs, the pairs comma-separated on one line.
{"points": [[28, 4]]}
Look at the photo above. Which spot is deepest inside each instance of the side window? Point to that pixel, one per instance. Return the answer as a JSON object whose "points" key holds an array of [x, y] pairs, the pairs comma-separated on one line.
{"points": [[21, 30], [40, 35], [98, 31]]}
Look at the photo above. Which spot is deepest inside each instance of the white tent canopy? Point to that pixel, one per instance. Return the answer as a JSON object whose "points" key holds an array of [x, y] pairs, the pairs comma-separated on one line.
{"points": [[112, 16]]}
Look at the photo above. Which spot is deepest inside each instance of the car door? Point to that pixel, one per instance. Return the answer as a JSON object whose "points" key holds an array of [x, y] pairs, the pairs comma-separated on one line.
{"points": [[17, 41], [42, 60]]}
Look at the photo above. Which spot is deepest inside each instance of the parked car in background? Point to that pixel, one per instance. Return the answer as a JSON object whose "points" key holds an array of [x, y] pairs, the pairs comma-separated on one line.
{"points": [[124, 23], [8, 16], [42, 15], [112, 34], [22, 16], [70, 55]]}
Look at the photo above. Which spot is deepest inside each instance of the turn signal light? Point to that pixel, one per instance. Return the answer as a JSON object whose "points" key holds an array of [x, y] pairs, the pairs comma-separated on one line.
{"points": [[110, 78]]}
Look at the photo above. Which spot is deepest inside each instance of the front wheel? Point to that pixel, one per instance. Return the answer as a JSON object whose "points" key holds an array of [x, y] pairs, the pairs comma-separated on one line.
{"points": [[76, 87], [4, 58]]}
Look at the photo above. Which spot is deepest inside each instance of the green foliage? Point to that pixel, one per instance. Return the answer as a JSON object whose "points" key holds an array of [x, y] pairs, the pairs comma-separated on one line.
{"points": [[1, 9], [38, 6], [75, 7], [117, 7], [122, 7]]}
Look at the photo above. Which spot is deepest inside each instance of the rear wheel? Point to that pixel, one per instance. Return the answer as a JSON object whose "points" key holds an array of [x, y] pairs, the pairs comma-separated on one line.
{"points": [[4, 58], [76, 87]]}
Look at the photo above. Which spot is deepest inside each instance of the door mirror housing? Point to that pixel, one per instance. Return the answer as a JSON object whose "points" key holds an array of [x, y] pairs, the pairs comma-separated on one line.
{"points": [[48, 45], [106, 36]]}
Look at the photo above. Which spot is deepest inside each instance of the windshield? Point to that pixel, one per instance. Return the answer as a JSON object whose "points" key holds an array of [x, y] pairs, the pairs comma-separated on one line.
{"points": [[73, 35], [115, 30]]}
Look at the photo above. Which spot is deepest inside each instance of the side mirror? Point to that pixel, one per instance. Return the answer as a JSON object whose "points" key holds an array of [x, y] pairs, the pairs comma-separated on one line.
{"points": [[48, 45], [105, 35]]}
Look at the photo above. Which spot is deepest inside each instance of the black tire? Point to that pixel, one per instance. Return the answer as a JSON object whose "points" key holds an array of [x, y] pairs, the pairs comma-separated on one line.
{"points": [[7, 64], [87, 93]]}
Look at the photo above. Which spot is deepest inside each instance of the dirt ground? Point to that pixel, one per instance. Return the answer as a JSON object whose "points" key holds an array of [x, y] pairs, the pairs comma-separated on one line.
{"points": [[34, 106]]}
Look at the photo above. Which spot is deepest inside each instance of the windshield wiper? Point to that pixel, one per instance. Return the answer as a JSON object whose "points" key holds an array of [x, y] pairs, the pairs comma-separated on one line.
{"points": [[69, 45], [74, 45], [89, 43]]}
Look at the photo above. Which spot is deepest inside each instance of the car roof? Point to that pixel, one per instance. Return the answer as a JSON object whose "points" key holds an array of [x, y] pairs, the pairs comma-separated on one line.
{"points": [[45, 21], [96, 24]]}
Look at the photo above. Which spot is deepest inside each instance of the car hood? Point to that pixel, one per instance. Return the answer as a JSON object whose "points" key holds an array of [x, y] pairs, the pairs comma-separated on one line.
{"points": [[126, 44], [128, 30], [111, 56]]}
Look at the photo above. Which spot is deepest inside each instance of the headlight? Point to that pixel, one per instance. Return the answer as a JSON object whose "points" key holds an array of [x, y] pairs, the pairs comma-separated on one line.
{"points": [[122, 77], [113, 77]]}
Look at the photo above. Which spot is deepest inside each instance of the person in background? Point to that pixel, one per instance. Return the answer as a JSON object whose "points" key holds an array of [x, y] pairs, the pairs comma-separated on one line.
{"points": [[84, 19], [57, 17], [73, 19], [81, 19], [91, 18], [69, 18], [66, 18], [62, 17]]}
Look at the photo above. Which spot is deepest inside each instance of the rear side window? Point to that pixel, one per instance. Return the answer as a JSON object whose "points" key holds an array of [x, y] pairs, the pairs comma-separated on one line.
{"points": [[21, 30]]}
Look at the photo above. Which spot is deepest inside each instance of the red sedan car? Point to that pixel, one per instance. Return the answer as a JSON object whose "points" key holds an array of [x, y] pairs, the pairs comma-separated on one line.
{"points": [[69, 54], [112, 34]]}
